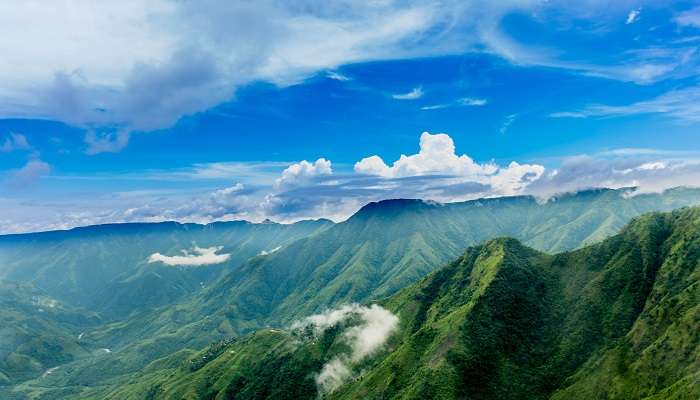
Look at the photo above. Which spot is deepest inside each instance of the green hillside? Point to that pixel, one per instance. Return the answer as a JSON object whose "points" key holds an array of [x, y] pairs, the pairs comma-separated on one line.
{"points": [[105, 268], [38, 333], [614, 320], [150, 311], [388, 245]]}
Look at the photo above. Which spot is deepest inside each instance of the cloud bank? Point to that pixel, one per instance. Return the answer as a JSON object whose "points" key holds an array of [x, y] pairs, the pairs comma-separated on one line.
{"points": [[196, 257], [288, 192], [368, 336]]}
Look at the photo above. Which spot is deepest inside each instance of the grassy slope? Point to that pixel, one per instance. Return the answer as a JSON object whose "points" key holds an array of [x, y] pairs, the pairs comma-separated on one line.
{"points": [[614, 320], [37, 332], [384, 247], [392, 244], [104, 268]]}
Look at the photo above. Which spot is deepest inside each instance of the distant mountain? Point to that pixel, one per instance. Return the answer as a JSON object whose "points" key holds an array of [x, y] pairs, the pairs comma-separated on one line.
{"points": [[38, 333], [390, 244], [105, 268], [149, 310], [614, 320]]}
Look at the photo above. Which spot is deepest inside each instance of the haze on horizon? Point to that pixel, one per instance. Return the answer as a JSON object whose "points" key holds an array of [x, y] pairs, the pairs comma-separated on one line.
{"points": [[201, 111]]}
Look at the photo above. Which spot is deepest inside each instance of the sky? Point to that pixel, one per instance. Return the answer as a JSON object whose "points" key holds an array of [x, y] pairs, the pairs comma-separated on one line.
{"points": [[153, 110]]}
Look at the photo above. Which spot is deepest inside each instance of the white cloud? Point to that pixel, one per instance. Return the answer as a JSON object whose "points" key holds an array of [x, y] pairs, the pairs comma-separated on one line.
{"points": [[222, 194], [106, 142], [312, 190], [645, 173], [141, 65], [266, 252], [366, 338], [414, 94], [333, 374], [507, 122], [633, 16], [689, 18], [435, 107], [196, 257], [463, 102], [567, 114], [33, 170], [302, 172], [337, 76], [14, 142], [471, 101], [437, 157], [681, 104], [138, 65]]}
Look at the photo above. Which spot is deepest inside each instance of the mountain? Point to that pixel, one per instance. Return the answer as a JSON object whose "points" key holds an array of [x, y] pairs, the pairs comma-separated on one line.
{"points": [[614, 320], [105, 268], [56, 287], [383, 247], [38, 332], [391, 244]]}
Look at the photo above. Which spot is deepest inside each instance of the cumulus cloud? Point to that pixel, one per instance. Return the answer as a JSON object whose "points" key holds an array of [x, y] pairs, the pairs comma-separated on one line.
{"points": [[196, 257], [287, 192], [437, 157], [414, 94], [302, 172], [368, 336], [223, 195]]}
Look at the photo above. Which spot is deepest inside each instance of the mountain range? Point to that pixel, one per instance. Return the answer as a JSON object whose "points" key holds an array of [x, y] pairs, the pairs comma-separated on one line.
{"points": [[613, 320], [116, 324]]}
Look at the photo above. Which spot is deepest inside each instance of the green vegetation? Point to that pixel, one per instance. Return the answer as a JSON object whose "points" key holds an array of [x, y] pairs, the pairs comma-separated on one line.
{"points": [[614, 320], [533, 323]]}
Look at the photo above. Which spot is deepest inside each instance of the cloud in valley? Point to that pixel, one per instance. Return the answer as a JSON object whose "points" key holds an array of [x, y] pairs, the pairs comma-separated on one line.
{"points": [[195, 257], [376, 324]]}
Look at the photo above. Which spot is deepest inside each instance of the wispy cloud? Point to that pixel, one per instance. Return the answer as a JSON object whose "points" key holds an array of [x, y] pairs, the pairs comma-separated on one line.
{"points": [[681, 104], [15, 142], [414, 94], [507, 122], [192, 57], [434, 107], [461, 102], [633, 16], [689, 18], [337, 76]]}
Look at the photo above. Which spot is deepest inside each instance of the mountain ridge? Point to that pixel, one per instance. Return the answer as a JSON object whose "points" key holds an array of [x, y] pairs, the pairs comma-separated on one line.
{"points": [[501, 321]]}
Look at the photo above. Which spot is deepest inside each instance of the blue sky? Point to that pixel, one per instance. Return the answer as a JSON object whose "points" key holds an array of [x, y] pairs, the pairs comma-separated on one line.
{"points": [[198, 111]]}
